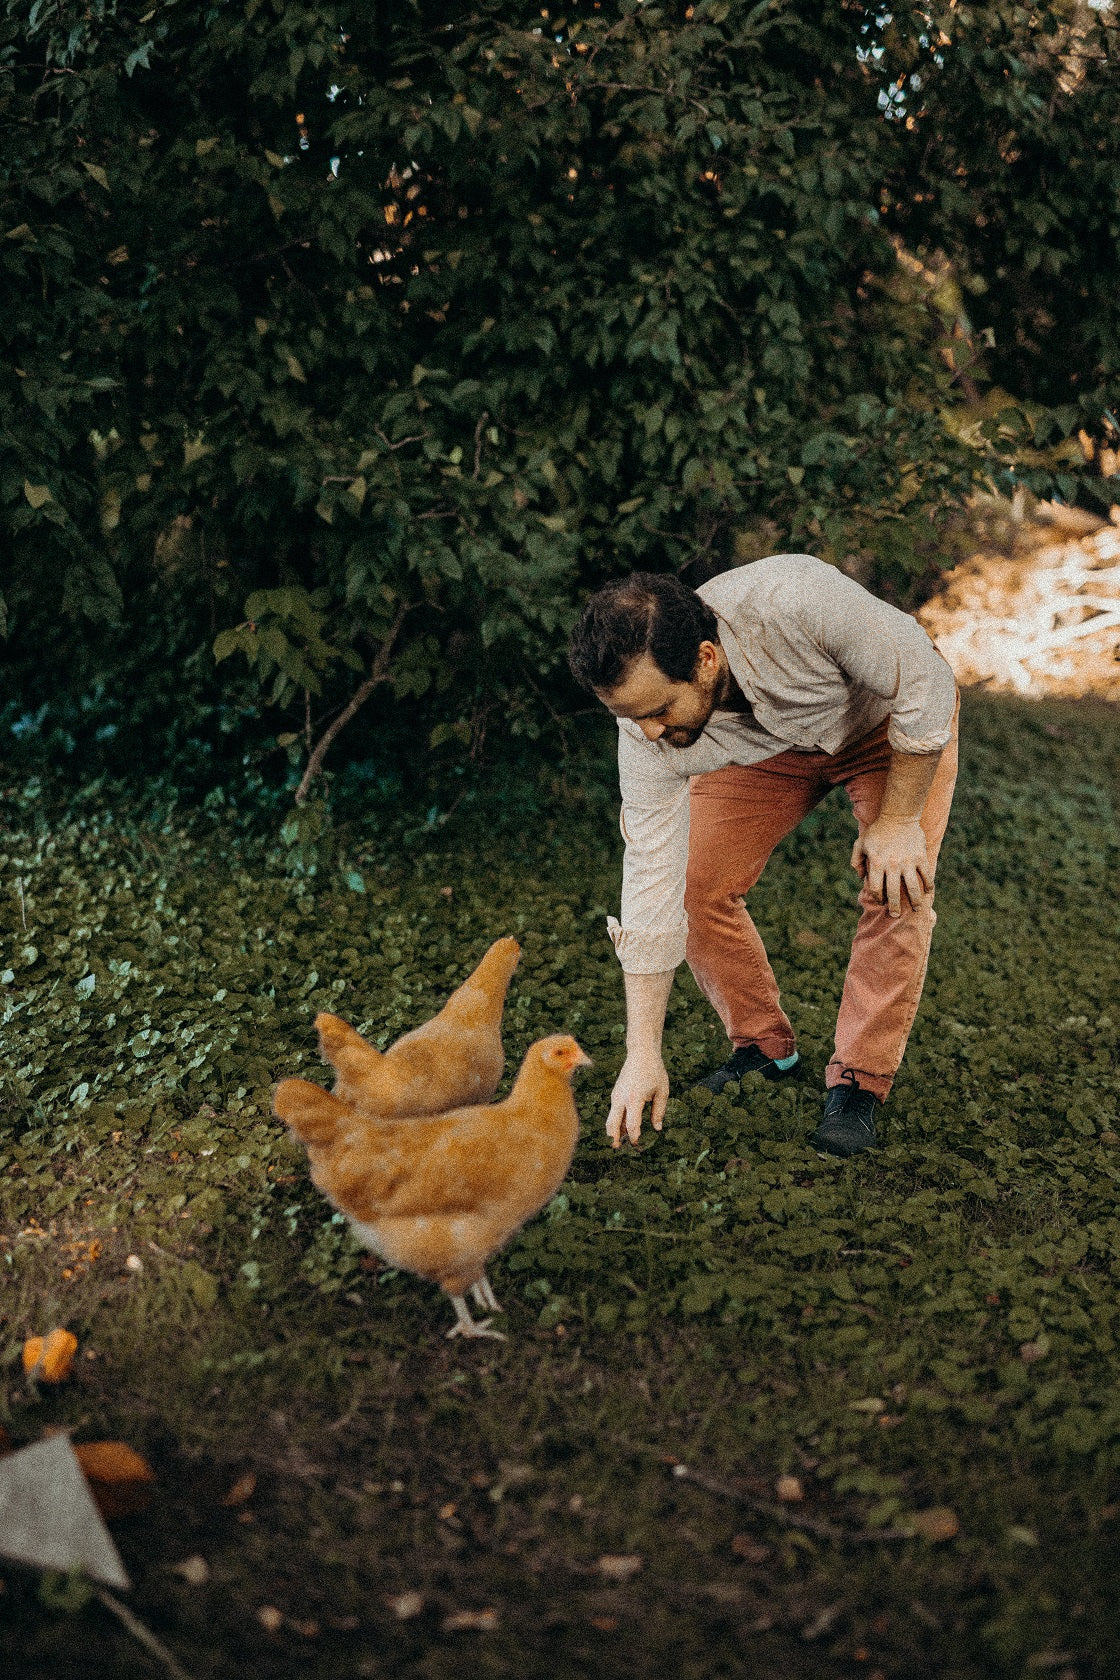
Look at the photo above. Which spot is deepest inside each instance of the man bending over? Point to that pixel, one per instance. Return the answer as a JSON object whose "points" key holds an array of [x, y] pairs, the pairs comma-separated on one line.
{"points": [[739, 706]]}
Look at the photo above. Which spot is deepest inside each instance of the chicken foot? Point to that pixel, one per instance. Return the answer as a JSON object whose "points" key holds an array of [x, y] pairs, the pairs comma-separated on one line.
{"points": [[465, 1325]]}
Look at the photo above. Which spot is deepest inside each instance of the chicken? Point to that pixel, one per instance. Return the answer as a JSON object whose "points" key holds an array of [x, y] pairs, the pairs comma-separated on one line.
{"points": [[454, 1058], [440, 1195]]}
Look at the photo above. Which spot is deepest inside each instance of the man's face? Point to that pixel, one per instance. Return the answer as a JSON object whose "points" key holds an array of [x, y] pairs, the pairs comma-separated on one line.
{"points": [[673, 712]]}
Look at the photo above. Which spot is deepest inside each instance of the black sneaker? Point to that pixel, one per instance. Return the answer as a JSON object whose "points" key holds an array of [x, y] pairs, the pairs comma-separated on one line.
{"points": [[848, 1125], [749, 1059]]}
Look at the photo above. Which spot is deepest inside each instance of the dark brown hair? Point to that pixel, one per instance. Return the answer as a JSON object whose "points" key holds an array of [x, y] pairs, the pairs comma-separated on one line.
{"points": [[647, 612]]}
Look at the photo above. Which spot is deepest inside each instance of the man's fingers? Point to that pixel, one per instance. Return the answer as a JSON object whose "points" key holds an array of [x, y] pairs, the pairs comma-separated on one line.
{"points": [[614, 1122], [915, 886], [625, 1115], [660, 1103]]}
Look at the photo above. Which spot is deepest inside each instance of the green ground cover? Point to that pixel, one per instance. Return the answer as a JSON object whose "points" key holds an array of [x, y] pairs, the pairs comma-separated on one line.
{"points": [[933, 1325]]}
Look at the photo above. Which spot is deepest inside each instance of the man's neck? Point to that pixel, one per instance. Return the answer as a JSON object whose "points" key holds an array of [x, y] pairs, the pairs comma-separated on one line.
{"points": [[728, 696]]}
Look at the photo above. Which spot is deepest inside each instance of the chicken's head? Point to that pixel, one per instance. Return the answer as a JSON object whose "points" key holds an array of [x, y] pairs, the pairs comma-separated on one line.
{"points": [[562, 1054]]}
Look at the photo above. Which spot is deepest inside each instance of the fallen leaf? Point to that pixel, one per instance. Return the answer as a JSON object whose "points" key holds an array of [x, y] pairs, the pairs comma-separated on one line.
{"points": [[470, 1621], [619, 1568], [47, 1359], [119, 1479], [1022, 1535], [938, 1523], [243, 1488], [745, 1546], [807, 938], [1031, 1352], [789, 1490], [194, 1570], [271, 1619], [872, 1405], [605, 1624], [406, 1605], [307, 1630]]}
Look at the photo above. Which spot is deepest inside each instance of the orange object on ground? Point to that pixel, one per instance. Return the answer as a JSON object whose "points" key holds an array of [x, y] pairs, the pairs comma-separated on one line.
{"points": [[120, 1480], [48, 1358]]}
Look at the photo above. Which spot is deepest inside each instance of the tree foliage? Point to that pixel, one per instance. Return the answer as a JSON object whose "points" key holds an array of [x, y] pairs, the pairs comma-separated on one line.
{"points": [[422, 319]]}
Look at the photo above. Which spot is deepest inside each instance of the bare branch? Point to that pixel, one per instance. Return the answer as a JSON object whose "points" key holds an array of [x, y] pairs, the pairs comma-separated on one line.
{"points": [[358, 699], [418, 437], [482, 419], [783, 1514]]}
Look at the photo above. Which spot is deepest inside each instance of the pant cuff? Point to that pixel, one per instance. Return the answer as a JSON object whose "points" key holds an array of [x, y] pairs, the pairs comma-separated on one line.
{"points": [[879, 1084], [773, 1046]]}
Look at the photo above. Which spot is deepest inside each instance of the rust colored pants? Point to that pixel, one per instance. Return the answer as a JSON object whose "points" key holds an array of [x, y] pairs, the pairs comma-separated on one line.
{"points": [[737, 816]]}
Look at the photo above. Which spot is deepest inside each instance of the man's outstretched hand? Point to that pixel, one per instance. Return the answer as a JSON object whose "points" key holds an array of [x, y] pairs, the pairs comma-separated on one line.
{"points": [[892, 855], [642, 1080]]}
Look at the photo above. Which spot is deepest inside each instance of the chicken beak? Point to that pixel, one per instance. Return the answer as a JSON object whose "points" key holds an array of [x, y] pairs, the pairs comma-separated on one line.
{"points": [[582, 1059]]}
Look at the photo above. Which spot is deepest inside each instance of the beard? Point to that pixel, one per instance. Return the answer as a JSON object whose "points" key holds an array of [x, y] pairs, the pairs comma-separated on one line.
{"points": [[680, 737]]}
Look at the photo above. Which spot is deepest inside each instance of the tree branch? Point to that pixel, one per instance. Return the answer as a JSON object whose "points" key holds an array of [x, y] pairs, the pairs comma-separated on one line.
{"points": [[782, 1513], [358, 699], [482, 419]]}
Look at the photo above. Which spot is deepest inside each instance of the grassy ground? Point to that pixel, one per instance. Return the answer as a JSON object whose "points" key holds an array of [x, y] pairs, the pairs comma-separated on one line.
{"points": [[933, 1325]]}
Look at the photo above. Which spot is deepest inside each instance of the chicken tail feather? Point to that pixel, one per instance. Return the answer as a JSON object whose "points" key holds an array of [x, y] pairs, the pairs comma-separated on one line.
{"points": [[314, 1115]]}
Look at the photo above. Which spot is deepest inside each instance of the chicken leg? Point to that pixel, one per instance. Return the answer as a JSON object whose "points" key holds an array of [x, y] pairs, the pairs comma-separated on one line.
{"points": [[484, 1296], [465, 1325]]}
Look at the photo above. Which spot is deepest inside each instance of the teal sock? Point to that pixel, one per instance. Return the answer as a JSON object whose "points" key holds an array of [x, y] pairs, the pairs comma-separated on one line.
{"points": [[785, 1062]]}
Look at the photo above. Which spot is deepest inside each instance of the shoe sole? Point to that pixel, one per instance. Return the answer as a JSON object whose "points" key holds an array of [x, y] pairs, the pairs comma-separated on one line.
{"points": [[842, 1146]]}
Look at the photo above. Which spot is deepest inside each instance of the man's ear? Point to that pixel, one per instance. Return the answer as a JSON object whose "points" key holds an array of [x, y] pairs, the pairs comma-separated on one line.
{"points": [[707, 657]]}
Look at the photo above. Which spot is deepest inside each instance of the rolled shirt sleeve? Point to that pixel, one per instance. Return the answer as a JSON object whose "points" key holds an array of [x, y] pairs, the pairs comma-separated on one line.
{"points": [[653, 931], [888, 652]]}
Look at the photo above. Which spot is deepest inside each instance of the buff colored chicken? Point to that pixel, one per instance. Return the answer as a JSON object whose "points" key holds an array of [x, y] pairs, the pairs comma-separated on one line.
{"points": [[439, 1196], [454, 1058]]}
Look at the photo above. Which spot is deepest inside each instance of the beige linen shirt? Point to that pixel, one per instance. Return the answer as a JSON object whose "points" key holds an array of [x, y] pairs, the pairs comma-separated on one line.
{"points": [[821, 661]]}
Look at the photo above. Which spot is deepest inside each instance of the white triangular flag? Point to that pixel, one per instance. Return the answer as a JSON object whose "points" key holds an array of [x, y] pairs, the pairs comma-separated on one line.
{"points": [[47, 1515]]}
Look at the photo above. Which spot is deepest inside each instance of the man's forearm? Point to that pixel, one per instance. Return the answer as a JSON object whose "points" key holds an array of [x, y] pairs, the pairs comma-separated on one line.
{"points": [[647, 998], [909, 780]]}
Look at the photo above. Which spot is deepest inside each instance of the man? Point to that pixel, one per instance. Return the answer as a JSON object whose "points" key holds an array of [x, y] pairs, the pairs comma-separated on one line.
{"points": [[739, 706]]}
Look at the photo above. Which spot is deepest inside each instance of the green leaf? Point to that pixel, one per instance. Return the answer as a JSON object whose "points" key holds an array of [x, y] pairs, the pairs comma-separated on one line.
{"points": [[242, 639], [37, 494], [138, 59], [97, 173]]}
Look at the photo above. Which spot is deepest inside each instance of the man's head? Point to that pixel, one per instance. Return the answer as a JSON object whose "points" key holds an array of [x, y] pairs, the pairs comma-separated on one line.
{"points": [[648, 647]]}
